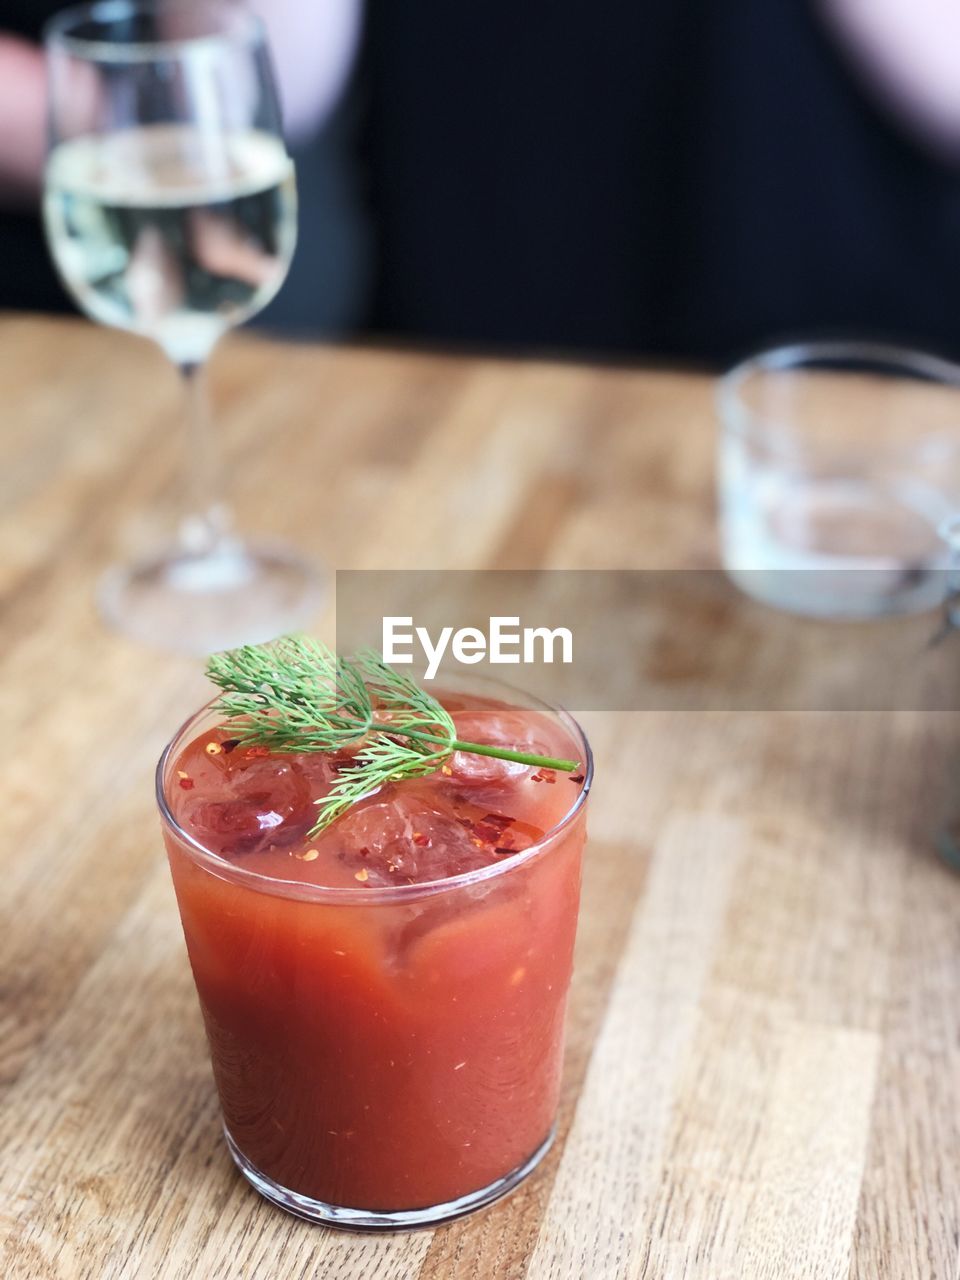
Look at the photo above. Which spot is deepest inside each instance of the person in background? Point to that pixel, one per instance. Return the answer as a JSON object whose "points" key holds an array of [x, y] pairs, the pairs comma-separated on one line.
{"points": [[313, 47], [665, 177]]}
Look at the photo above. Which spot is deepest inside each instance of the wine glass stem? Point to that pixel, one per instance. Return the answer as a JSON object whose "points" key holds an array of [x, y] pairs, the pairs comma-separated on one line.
{"points": [[205, 520]]}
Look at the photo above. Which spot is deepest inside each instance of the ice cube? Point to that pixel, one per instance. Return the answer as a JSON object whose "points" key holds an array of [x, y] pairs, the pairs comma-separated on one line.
{"points": [[259, 802], [402, 838], [499, 728]]}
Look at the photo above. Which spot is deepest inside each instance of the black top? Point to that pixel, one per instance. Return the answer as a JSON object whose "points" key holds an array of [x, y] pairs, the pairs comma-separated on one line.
{"points": [[666, 176], [26, 17]]}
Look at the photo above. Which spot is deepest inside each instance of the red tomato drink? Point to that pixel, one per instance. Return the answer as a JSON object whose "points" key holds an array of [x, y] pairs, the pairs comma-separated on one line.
{"points": [[384, 1003]]}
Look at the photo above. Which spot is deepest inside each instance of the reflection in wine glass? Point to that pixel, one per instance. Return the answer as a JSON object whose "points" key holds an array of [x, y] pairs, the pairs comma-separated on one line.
{"points": [[154, 279], [170, 208], [224, 249]]}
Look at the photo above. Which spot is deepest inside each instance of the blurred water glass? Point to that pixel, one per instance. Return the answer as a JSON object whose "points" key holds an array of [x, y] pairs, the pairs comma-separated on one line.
{"points": [[839, 464]]}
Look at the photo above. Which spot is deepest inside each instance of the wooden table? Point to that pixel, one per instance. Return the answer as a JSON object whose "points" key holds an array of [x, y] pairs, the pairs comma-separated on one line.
{"points": [[763, 1075]]}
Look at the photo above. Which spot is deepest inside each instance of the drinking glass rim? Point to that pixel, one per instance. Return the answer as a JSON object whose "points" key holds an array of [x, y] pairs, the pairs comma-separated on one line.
{"points": [[56, 30], [296, 889], [737, 418]]}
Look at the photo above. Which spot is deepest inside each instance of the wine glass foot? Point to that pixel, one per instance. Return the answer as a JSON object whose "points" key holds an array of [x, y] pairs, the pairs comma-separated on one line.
{"points": [[199, 603]]}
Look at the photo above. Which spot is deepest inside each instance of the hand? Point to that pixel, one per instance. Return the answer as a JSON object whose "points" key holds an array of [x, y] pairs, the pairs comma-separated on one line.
{"points": [[23, 93], [907, 50]]}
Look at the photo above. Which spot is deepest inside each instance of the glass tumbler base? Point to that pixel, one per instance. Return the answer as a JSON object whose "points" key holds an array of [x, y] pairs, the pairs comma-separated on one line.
{"points": [[200, 602], [332, 1215]]}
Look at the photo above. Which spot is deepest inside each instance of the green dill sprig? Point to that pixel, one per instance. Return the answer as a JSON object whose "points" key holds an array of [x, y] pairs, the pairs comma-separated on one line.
{"points": [[294, 695]]}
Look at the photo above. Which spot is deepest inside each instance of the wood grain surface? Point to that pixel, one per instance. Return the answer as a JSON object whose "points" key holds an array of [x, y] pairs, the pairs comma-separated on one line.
{"points": [[763, 1072]]}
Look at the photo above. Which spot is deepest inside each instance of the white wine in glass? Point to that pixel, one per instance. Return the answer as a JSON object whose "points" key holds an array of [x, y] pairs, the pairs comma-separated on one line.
{"points": [[170, 209]]}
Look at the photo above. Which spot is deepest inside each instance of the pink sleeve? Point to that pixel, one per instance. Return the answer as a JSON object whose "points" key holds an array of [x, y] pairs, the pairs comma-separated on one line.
{"points": [[313, 44]]}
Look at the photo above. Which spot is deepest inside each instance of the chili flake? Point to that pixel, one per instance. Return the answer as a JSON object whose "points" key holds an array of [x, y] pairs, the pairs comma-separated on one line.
{"points": [[544, 775], [497, 820], [309, 855], [230, 744], [577, 777], [213, 749], [491, 827], [362, 875], [186, 783]]}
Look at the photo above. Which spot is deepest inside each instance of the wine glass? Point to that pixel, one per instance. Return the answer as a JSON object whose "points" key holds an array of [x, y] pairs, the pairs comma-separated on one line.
{"points": [[171, 211]]}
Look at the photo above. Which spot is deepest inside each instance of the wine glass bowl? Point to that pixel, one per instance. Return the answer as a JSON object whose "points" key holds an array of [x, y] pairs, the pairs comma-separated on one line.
{"points": [[170, 209], [211, 247]]}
